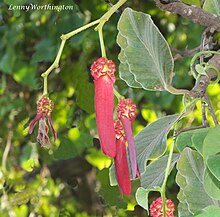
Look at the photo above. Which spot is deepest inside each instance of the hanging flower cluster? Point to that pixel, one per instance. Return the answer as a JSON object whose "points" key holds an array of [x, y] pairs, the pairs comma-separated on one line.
{"points": [[156, 208], [114, 137], [44, 109]]}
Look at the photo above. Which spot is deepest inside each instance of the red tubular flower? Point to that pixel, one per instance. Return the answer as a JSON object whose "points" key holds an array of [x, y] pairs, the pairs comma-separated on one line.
{"points": [[103, 72], [44, 109], [127, 114], [120, 160], [156, 208]]}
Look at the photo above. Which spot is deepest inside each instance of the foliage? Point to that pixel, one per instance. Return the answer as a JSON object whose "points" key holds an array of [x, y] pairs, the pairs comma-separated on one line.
{"points": [[172, 133]]}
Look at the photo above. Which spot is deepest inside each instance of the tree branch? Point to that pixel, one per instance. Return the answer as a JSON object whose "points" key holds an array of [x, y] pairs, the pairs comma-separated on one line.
{"points": [[194, 13]]}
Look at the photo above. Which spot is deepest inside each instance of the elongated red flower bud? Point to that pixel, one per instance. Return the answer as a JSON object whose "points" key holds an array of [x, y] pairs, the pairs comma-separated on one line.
{"points": [[126, 114], [103, 72], [156, 208], [120, 160]]}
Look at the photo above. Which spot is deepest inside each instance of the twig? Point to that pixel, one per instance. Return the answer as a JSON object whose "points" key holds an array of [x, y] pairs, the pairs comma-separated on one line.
{"points": [[189, 129], [180, 54], [194, 13], [204, 117]]}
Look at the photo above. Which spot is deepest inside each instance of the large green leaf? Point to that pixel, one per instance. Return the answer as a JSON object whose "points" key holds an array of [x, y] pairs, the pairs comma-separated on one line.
{"points": [[124, 67], [211, 145], [212, 6], [210, 211], [191, 167], [154, 174], [151, 141], [147, 52]]}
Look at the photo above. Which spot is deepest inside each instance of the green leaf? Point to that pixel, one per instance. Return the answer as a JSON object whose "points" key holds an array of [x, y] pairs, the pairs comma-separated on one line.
{"points": [[184, 140], [191, 167], [210, 211], [212, 6], [7, 62], [211, 145], [154, 174], [110, 194], [198, 138], [142, 198], [71, 147], [151, 141], [213, 163], [45, 51], [25, 74], [211, 185], [192, 138], [183, 209], [147, 52], [124, 67]]}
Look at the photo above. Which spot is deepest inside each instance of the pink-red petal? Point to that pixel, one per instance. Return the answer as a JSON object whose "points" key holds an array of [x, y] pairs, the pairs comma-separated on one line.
{"points": [[121, 168], [34, 121], [104, 106], [127, 125], [52, 128]]}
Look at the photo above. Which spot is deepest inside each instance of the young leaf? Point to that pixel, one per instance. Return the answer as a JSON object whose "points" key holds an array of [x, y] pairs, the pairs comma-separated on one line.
{"points": [[151, 141], [147, 52], [191, 167]]}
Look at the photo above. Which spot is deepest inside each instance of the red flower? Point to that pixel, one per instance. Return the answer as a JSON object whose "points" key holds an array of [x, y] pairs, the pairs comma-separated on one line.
{"points": [[103, 72], [156, 208], [120, 160], [127, 114], [44, 109]]}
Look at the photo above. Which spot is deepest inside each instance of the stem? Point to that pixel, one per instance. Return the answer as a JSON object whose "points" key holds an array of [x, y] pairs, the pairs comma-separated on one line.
{"points": [[65, 37], [118, 95], [76, 31], [167, 171], [55, 64], [102, 44], [175, 91], [109, 13]]}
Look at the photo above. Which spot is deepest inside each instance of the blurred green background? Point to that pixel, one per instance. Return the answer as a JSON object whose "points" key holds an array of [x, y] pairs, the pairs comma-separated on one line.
{"points": [[71, 179]]}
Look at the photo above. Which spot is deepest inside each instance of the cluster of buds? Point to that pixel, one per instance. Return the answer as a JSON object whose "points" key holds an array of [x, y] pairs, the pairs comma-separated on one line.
{"points": [[156, 208], [113, 138], [44, 109]]}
